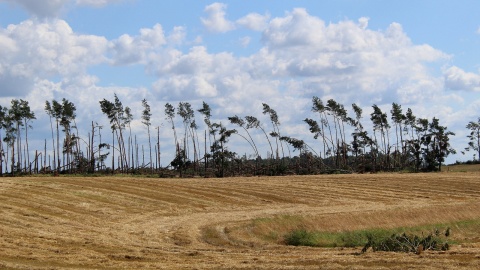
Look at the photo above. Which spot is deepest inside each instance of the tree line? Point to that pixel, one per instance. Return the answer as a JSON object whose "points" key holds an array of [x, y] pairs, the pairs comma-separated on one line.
{"points": [[395, 141]]}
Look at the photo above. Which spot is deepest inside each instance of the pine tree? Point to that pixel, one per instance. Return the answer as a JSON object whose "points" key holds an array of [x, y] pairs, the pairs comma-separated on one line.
{"points": [[146, 115], [474, 137]]}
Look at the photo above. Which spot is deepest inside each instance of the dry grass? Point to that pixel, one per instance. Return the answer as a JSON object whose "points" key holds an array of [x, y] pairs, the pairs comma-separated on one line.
{"points": [[462, 168], [138, 223]]}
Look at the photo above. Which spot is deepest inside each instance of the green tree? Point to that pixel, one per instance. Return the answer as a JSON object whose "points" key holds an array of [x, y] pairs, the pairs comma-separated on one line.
{"points": [[67, 116], [361, 140], [339, 115], [3, 120], [187, 113], [220, 153], [128, 120], [170, 116], [380, 123], [241, 123], [51, 113], [27, 115], [206, 111], [253, 122], [146, 116], [116, 114], [15, 116], [276, 130], [319, 128], [437, 145], [10, 137], [474, 137], [398, 118]]}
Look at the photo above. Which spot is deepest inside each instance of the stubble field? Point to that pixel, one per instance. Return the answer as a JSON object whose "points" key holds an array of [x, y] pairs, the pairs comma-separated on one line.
{"points": [[150, 223]]}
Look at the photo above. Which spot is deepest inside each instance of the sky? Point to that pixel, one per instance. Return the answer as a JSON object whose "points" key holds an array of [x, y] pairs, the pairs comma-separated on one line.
{"points": [[236, 55]]}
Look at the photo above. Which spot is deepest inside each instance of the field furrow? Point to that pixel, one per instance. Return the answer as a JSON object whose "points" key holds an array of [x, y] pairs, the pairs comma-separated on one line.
{"points": [[148, 223]]}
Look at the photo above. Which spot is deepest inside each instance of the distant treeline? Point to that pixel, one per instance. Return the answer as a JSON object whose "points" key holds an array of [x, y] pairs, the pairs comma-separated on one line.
{"points": [[399, 142]]}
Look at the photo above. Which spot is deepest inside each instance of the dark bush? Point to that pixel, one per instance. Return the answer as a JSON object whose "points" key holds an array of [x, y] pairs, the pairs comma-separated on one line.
{"points": [[300, 237], [408, 243]]}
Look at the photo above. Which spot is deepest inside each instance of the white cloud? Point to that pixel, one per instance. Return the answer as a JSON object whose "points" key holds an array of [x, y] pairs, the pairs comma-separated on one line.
{"points": [[347, 59], [458, 79], [41, 9], [96, 3], [363, 22], [133, 50], [302, 56], [53, 8], [254, 21], [216, 21], [32, 49], [177, 37]]}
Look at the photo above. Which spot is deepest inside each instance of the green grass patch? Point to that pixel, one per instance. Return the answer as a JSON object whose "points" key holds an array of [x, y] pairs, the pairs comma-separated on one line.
{"points": [[303, 237], [300, 231]]}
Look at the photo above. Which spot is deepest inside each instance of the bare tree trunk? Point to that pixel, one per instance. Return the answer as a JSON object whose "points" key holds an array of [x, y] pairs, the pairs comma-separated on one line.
{"points": [[92, 154], [150, 148], [113, 150], [13, 159], [206, 158], [136, 151], [26, 142], [158, 148], [45, 156], [58, 149], [1, 156]]}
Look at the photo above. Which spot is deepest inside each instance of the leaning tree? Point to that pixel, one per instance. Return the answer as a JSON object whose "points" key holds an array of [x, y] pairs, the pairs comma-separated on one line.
{"points": [[474, 137]]}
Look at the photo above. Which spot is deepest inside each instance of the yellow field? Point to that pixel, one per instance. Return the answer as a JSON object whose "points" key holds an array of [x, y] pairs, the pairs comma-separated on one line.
{"points": [[147, 223]]}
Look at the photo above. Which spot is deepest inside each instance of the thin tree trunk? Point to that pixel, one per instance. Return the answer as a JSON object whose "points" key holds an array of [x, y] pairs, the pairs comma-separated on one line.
{"points": [[158, 148], [113, 151], [150, 149], [1, 155], [58, 149], [35, 168], [156, 161], [26, 142], [136, 151], [45, 155], [92, 154], [13, 159], [19, 148], [206, 158]]}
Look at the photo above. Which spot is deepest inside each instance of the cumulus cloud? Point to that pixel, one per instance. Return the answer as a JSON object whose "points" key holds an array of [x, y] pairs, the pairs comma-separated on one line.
{"points": [[133, 50], [346, 58], [32, 49], [96, 3], [458, 79], [301, 56], [254, 21], [53, 8], [216, 21], [41, 9]]}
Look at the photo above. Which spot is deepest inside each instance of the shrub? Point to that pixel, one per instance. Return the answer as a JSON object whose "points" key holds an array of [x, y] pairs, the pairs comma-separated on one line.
{"points": [[300, 237], [408, 242]]}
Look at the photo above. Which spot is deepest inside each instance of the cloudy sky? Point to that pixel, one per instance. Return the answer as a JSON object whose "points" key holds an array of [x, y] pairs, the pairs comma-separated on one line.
{"points": [[235, 55]]}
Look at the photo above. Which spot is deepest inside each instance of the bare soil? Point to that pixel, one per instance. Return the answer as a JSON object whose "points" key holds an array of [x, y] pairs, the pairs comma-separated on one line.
{"points": [[148, 223]]}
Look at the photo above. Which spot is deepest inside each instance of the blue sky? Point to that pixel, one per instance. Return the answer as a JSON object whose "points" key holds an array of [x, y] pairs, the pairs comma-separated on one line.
{"points": [[237, 54]]}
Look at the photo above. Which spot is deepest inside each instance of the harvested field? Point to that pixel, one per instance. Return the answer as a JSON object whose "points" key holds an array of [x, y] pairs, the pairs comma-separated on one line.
{"points": [[148, 223]]}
